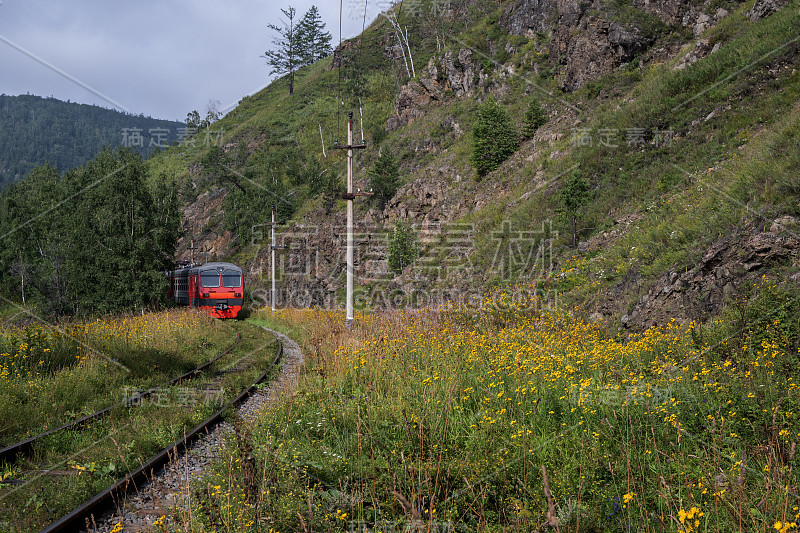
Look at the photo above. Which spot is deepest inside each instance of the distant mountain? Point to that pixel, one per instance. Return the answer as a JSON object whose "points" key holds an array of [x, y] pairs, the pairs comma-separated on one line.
{"points": [[35, 130]]}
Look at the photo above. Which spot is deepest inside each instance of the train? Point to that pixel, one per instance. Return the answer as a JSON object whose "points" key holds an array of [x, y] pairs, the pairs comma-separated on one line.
{"points": [[215, 287]]}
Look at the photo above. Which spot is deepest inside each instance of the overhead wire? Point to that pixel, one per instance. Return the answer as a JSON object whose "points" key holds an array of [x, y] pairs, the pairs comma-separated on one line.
{"points": [[339, 85], [360, 91]]}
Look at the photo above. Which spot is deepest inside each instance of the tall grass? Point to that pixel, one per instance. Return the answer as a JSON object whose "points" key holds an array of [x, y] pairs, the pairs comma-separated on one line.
{"points": [[52, 374]]}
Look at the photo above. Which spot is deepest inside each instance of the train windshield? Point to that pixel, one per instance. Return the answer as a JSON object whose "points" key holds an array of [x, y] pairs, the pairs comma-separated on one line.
{"points": [[231, 278], [209, 279]]}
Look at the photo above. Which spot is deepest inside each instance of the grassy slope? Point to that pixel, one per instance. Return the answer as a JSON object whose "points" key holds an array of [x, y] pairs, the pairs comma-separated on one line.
{"points": [[49, 378], [750, 84], [447, 418]]}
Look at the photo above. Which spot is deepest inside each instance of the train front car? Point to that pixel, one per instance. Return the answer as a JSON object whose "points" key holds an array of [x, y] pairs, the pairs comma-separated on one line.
{"points": [[220, 289]]}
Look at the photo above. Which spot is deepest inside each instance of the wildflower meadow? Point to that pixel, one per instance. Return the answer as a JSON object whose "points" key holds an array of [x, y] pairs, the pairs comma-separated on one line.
{"points": [[515, 417]]}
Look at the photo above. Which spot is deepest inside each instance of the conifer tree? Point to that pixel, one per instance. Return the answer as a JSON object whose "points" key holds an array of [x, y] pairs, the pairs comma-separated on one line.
{"points": [[494, 137], [384, 177], [193, 120], [535, 118], [313, 42], [285, 57]]}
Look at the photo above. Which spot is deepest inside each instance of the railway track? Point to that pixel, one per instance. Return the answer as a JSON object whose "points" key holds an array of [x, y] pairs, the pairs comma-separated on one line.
{"points": [[145, 494], [10, 454]]}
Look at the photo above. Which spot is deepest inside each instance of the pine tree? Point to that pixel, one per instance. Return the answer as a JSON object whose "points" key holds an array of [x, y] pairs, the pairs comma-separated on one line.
{"points": [[535, 118], [193, 120], [313, 42], [384, 177], [285, 57], [494, 137]]}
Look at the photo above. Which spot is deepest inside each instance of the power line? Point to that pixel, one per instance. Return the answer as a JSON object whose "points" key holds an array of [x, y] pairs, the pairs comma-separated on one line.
{"points": [[339, 84]]}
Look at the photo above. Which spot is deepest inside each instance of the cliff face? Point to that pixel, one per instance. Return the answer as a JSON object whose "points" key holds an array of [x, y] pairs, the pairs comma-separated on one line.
{"points": [[583, 40], [456, 73], [589, 39]]}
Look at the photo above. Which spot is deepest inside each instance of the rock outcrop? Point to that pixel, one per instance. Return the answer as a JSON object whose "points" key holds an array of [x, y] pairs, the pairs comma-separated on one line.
{"points": [[455, 74], [599, 47], [591, 38], [763, 8], [529, 17], [726, 265], [701, 49], [201, 223]]}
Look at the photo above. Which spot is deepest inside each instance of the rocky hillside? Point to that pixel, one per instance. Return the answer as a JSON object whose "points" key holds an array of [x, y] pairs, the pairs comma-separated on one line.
{"points": [[681, 116]]}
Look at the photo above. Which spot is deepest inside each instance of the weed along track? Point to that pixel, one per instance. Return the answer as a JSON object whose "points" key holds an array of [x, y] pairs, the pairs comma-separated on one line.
{"points": [[64, 475], [12, 453], [165, 492]]}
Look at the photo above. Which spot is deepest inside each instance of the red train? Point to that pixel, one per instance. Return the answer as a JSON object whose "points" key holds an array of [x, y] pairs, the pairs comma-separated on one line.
{"points": [[215, 287]]}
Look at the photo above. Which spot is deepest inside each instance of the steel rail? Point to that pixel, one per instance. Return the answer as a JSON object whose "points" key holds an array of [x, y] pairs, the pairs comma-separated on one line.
{"points": [[106, 499], [10, 453]]}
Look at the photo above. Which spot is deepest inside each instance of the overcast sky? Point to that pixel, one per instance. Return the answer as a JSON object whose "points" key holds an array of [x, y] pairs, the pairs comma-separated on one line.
{"points": [[161, 58]]}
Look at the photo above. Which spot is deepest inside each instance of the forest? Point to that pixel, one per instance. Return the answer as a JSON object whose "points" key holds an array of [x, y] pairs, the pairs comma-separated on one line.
{"points": [[94, 240], [40, 130]]}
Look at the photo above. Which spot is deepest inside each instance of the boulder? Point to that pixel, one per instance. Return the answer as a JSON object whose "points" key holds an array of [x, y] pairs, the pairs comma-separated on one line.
{"points": [[764, 8]]}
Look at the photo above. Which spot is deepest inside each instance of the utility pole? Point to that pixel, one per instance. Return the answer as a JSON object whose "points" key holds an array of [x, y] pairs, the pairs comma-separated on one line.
{"points": [[273, 248], [272, 260], [350, 196]]}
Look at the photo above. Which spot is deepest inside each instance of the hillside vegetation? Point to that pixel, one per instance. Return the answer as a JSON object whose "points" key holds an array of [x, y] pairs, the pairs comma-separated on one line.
{"points": [[507, 418], [676, 158]]}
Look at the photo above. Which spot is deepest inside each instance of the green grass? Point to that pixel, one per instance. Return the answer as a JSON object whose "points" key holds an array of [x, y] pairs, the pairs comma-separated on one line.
{"points": [[52, 376], [86, 460]]}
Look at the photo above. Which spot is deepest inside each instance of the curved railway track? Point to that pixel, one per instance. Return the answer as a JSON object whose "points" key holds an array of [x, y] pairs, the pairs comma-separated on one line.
{"points": [[108, 501], [10, 454]]}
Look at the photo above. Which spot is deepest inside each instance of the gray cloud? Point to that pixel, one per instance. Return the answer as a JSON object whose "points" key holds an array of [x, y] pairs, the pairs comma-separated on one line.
{"points": [[161, 58]]}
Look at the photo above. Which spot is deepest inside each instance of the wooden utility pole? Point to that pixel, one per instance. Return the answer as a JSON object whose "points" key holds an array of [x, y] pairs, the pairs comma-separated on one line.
{"points": [[350, 196]]}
